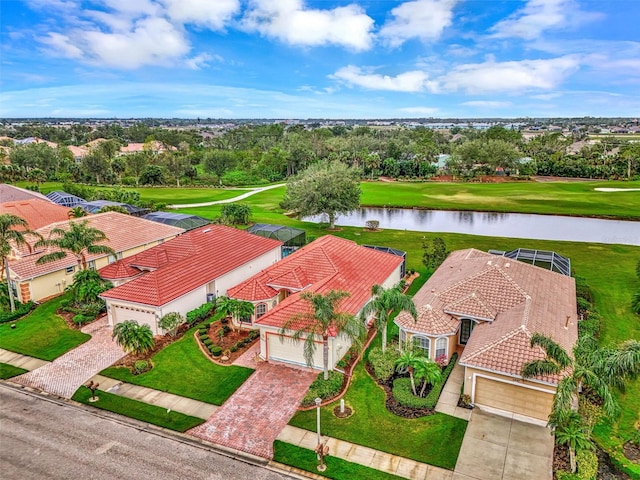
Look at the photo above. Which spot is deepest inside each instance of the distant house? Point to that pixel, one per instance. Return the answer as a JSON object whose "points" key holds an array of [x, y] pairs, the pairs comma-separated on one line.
{"points": [[184, 273], [488, 307], [78, 152], [153, 147], [328, 263], [37, 213], [127, 236]]}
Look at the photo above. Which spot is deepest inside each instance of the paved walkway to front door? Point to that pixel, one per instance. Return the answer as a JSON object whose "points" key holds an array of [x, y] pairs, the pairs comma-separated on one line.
{"points": [[501, 448], [253, 417], [70, 371]]}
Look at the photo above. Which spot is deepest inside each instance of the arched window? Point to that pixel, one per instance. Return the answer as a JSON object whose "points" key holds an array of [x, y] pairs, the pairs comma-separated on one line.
{"points": [[422, 343], [441, 349], [261, 309]]}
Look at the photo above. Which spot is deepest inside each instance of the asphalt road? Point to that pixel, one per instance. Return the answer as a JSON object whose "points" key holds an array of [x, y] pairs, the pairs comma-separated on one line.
{"points": [[44, 439]]}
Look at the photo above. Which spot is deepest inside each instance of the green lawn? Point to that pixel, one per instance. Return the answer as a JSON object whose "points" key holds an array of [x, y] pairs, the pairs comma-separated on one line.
{"points": [[185, 195], [560, 198], [8, 371], [337, 468], [434, 439], [182, 369], [140, 411], [41, 334]]}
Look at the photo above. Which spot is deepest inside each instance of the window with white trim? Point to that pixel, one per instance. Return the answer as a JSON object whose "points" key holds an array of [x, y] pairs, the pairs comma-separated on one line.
{"points": [[261, 309], [441, 348], [422, 343]]}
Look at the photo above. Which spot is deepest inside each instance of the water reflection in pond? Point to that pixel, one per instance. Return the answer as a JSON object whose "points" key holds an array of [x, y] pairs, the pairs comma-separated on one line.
{"points": [[512, 225]]}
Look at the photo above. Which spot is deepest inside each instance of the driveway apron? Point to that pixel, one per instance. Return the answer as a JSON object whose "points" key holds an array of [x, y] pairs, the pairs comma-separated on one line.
{"points": [[252, 418], [68, 372]]}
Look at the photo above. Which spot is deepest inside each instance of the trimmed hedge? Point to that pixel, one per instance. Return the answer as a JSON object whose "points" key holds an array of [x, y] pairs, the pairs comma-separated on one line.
{"points": [[216, 350], [434, 394], [21, 310], [383, 364], [323, 388], [200, 314]]}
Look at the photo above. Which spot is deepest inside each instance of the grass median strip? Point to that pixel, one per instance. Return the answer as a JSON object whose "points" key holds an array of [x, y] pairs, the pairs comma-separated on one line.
{"points": [[8, 371], [337, 468], [140, 411]]}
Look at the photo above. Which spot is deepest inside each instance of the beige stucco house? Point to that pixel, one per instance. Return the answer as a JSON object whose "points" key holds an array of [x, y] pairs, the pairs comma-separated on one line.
{"points": [[126, 235], [328, 263], [487, 307], [182, 274]]}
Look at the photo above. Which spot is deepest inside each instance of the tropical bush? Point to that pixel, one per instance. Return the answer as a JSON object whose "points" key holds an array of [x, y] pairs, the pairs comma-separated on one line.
{"points": [[170, 323], [382, 363], [133, 337], [21, 310], [323, 389], [587, 467], [81, 319], [141, 366], [200, 314]]}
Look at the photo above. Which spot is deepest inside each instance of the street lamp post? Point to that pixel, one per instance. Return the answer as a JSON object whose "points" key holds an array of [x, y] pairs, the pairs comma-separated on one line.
{"points": [[318, 401]]}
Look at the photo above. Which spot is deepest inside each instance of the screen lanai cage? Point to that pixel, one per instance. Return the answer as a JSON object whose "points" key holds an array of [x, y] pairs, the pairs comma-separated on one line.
{"points": [[182, 220], [293, 238], [540, 258], [65, 199]]}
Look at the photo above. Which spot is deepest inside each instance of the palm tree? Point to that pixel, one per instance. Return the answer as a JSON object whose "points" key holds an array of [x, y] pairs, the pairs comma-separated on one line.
{"points": [[87, 285], [232, 307], [77, 212], [575, 435], [385, 302], [10, 236], [407, 362], [80, 239], [133, 337], [320, 322], [599, 369], [428, 371]]}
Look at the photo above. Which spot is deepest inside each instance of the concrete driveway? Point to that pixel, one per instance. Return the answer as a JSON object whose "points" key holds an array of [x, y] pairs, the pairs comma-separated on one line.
{"points": [[501, 448]]}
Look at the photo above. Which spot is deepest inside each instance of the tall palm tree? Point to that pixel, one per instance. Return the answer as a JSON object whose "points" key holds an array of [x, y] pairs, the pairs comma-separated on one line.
{"points": [[80, 239], [133, 337], [599, 369], [320, 322], [385, 302], [13, 231], [428, 371]]}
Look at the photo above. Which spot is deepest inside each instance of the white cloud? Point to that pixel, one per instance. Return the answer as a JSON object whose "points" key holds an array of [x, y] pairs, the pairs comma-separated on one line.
{"points": [[487, 104], [420, 111], [62, 44], [423, 19], [510, 77], [200, 61], [538, 16], [292, 23], [213, 14], [413, 81]]}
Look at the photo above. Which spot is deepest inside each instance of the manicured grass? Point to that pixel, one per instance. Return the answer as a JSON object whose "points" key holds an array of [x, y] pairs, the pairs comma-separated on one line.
{"points": [[337, 468], [140, 411], [8, 371], [182, 369], [185, 195], [434, 439], [559, 198], [41, 334]]}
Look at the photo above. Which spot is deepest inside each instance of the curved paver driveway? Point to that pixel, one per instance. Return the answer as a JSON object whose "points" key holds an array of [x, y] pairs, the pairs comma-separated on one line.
{"points": [[67, 373]]}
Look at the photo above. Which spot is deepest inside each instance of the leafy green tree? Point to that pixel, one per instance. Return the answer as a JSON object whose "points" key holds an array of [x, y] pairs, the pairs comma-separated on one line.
{"points": [[170, 323], [323, 319], [575, 435], [152, 175], [328, 188], [136, 163], [37, 175], [386, 302], [79, 239], [434, 253], [13, 231], [235, 213], [133, 337], [428, 371], [77, 212]]}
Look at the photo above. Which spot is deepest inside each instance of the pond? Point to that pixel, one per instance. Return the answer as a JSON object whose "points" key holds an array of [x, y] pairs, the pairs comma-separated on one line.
{"points": [[510, 225]]}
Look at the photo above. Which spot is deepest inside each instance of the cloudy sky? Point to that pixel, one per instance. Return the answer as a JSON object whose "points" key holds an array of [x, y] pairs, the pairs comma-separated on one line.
{"points": [[319, 58]]}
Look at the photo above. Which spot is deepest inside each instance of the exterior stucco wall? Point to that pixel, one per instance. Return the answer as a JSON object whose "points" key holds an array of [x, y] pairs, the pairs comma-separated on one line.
{"points": [[469, 372]]}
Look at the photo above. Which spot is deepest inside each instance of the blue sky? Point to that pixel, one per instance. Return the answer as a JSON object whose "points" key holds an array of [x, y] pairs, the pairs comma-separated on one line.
{"points": [[319, 59]]}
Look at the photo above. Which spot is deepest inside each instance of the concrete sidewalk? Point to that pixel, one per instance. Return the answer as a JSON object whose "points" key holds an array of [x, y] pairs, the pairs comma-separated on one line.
{"points": [[20, 361], [448, 401]]}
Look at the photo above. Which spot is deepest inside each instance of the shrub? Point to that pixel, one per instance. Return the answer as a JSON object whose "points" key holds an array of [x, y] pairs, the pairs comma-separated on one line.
{"points": [[372, 224], [207, 341], [404, 395], [433, 396], [226, 329], [21, 310], [583, 290], [81, 319], [224, 321], [590, 326], [233, 348], [583, 306], [383, 364], [140, 366], [201, 313], [587, 462], [254, 334], [215, 350], [324, 389]]}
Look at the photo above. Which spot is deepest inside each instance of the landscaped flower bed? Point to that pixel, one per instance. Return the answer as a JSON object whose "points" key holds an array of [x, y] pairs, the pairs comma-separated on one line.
{"points": [[224, 343]]}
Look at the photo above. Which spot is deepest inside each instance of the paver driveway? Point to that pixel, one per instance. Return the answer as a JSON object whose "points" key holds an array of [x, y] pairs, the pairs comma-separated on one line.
{"points": [[68, 372], [502, 448], [252, 418]]}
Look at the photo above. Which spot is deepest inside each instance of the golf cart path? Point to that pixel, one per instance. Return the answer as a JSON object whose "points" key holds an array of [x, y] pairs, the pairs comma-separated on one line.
{"points": [[253, 191]]}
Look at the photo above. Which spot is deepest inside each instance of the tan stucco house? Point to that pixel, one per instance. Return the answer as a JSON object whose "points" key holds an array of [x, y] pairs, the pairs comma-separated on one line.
{"points": [[487, 307], [328, 263], [182, 274], [126, 235]]}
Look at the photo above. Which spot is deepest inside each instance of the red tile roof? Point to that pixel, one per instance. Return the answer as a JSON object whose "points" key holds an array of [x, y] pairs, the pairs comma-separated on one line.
{"points": [[187, 262], [36, 212], [516, 298], [124, 232], [328, 263]]}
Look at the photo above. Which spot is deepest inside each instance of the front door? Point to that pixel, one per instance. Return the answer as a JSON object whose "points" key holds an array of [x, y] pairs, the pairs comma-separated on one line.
{"points": [[466, 327]]}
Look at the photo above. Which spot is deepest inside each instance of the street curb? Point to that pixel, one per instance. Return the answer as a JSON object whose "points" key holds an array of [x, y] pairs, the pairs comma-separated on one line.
{"points": [[160, 431]]}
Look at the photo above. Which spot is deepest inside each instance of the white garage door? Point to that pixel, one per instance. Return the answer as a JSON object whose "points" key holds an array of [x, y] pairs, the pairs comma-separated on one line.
{"points": [[290, 351], [121, 313], [513, 398]]}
